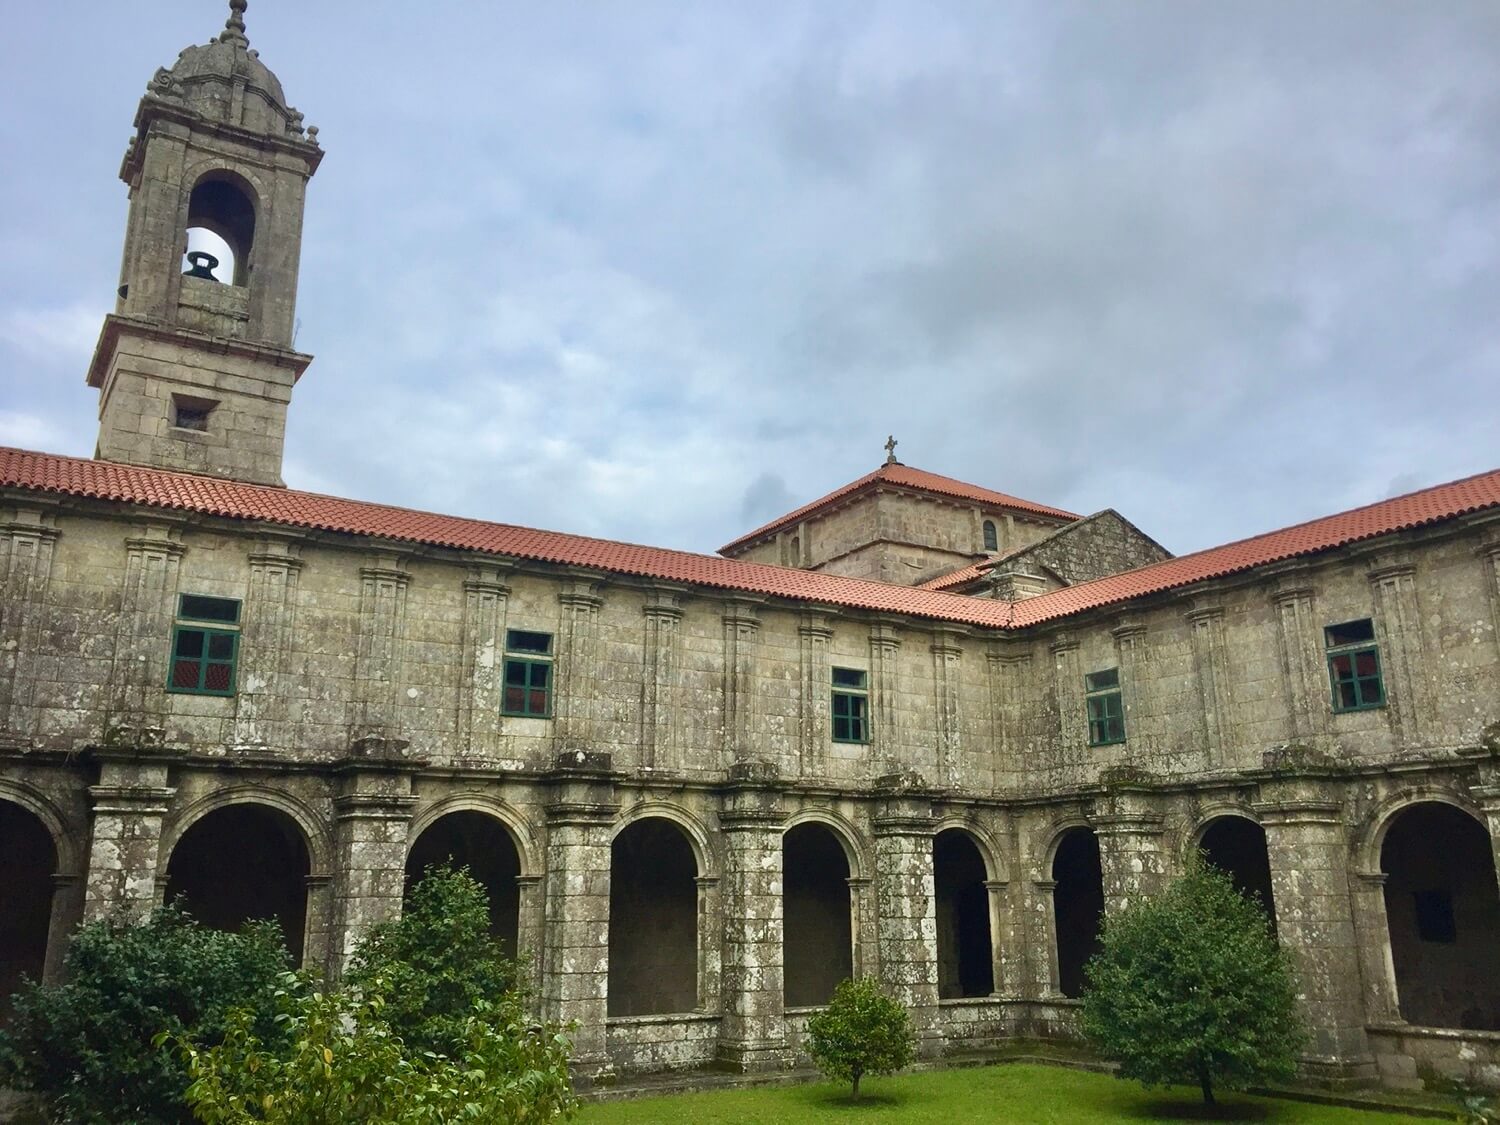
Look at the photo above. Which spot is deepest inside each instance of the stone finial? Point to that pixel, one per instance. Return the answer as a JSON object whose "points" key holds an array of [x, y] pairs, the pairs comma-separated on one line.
{"points": [[890, 450], [234, 26]]}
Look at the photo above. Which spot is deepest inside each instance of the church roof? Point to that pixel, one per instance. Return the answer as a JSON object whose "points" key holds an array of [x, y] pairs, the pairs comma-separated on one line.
{"points": [[903, 476], [157, 488]]}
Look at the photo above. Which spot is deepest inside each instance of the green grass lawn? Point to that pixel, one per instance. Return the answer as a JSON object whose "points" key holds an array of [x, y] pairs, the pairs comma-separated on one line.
{"points": [[1010, 1093]]}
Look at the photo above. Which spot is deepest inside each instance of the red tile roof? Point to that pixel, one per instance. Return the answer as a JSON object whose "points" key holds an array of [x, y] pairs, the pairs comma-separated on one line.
{"points": [[895, 473], [73, 476], [955, 578]]}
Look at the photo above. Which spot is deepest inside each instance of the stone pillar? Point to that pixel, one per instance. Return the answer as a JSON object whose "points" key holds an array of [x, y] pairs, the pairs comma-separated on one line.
{"points": [[1067, 697], [752, 1033], [1210, 667], [575, 947], [380, 648], [530, 924], [26, 544], [1305, 682], [906, 904], [1308, 847], [143, 636], [740, 628], [1042, 940], [1399, 630], [946, 653], [1372, 930], [130, 803], [1131, 858], [1489, 556], [1006, 967], [317, 941], [269, 628], [662, 615], [577, 667], [65, 911], [885, 702], [1009, 668], [372, 816], [814, 631], [710, 942], [1487, 793], [1132, 652], [482, 661]]}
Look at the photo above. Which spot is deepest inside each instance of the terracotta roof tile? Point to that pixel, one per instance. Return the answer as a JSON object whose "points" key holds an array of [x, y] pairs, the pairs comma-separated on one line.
{"points": [[73, 476], [905, 477]]}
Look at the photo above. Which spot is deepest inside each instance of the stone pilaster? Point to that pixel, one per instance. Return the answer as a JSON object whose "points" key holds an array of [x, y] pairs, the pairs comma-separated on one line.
{"points": [[1487, 793], [574, 701], [1131, 654], [268, 625], [906, 903], [946, 682], [26, 544], [1009, 670], [741, 626], [129, 804], [1489, 558], [1132, 860], [1211, 670], [143, 634], [575, 946], [752, 1034], [662, 615], [530, 927], [372, 815], [1067, 696], [1304, 675], [885, 703], [814, 631], [482, 661], [1308, 848], [1399, 630], [380, 649]]}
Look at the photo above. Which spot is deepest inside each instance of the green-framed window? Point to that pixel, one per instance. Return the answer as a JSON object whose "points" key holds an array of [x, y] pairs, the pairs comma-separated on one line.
{"points": [[528, 674], [1354, 666], [1105, 707], [205, 645], [851, 705]]}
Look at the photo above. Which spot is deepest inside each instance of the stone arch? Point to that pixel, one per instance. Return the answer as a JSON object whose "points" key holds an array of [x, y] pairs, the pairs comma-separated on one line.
{"points": [[226, 204], [844, 831], [39, 805], [235, 861], [515, 824], [654, 939], [1369, 839], [817, 910], [1442, 911], [1077, 880], [691, 826], [315, 831], [28, 861], [962, 873], [1231, 839], [989, 848], [484, 844]]}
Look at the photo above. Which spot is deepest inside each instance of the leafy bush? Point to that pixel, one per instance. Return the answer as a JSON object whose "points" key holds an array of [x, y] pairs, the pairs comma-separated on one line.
{"points": [[860, 1032], [1191, 987], [435, 962], [85, 1046]]}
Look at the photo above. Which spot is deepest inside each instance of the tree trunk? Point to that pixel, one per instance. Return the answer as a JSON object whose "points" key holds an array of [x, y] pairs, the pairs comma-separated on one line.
{"points": [[855, 1095], [1205, 1083]]}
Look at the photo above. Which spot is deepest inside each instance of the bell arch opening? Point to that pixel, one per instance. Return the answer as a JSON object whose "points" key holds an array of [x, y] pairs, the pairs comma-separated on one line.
{"points": [[653, 920], [221, 223], [965, 949], [817, 938], [241, 863], [1078, 906], [28, 860], [1443, 911], [1236, 846], [480, 842]]}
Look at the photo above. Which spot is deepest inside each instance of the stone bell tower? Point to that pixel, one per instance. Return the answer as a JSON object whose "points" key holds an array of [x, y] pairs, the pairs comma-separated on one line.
{"points": [[195, 373]]}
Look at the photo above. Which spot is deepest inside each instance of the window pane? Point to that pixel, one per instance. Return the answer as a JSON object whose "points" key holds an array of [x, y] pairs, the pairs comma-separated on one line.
{"points": [[1350, 633], [539, 675], [515, 672], [1096, 681], [538, 703], [848, 677], [1343, 666], [216, 677], [220, 646], [519, 640], [1347, 695], [200, 608], [190, 642], [185, 674], [841, 728], [840, 705], [515, 699], [1365, 663]]}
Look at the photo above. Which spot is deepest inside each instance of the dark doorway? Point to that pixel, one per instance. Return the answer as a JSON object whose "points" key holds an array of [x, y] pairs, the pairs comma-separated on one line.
{"points": [[27, 862], [816, 936], [1237, 847], [653, 920], [241, 863], [965, 955], [1444, 913], [481, 843], [1078, 906]]}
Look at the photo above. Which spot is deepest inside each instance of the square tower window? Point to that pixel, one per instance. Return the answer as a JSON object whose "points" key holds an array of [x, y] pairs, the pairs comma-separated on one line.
{"points": [[189, 413], [528, 674], [851, 705], [1104, 707], [1354, 666], [205, 645]]}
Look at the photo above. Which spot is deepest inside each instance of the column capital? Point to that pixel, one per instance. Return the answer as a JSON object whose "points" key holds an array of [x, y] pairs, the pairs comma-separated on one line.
{"points": [[1280, 813]]}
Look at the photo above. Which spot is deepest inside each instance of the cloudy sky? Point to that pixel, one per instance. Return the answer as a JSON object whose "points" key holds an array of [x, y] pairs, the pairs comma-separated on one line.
{"points": [[662, 272]]}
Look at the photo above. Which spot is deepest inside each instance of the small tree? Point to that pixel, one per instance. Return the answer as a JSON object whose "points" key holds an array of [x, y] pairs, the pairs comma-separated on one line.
{"points": [[1191, 987], [860, 1032]]}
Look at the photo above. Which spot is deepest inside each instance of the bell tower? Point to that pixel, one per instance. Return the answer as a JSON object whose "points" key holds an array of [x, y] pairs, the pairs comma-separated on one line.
{"points": [[195, 371]]}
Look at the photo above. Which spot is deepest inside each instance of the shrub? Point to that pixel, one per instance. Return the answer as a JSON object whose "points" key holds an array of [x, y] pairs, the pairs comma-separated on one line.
{"points": [[1191, 987], [860, 1032], [84, 1047]]}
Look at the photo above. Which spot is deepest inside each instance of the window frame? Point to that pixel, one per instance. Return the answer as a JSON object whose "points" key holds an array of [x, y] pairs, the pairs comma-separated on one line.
{"points": [[1351, 651], [531, 660], [207, 628], [855, 699], [990, 536], [1107, 726]]}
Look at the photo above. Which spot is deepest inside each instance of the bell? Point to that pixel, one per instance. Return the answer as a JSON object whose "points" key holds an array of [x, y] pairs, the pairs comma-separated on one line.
{"points": [[203, 264]]}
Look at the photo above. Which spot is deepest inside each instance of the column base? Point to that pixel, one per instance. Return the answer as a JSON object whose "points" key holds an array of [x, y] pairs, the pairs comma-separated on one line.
{"points": [[1339, 1074], [591, 1072], [759, 1057]]}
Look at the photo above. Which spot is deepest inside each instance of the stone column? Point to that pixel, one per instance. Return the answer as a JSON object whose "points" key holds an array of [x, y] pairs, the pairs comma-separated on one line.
{"points": [[662, 614], [577, 667], [1372, 931], [1210, 666], [482, 661], [530, 923], [575, 947], [26, 544], [372, 816], [143, 636], [906, 904], [1005, 966], [1042, 940], [1131, 858], [130, 803], [885, 702], [814, 631], [269, 627], [63, 916], [740, 628], [946, 653], [317, 941], [380, 648], [752, 1033], [1304, 676], [1399, 629], [1308, 847]]}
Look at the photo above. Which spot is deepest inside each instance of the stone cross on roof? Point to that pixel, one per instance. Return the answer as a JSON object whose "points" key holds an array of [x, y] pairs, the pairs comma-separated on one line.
{"points": [[890, 450]]}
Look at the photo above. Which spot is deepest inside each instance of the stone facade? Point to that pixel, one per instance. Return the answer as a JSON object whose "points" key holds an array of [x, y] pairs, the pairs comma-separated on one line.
{"points": [[675, 791]]}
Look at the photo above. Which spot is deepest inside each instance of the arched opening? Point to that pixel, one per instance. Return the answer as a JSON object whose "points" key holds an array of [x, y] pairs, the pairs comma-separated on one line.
{"points": [[1078, 906], [965, 954], [221, 222], [653, 920], [27, 861], [1236, 845], [817, 946], [991, 537], [220, 263], [1443, 910], [241, 863], [481, 843]]}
